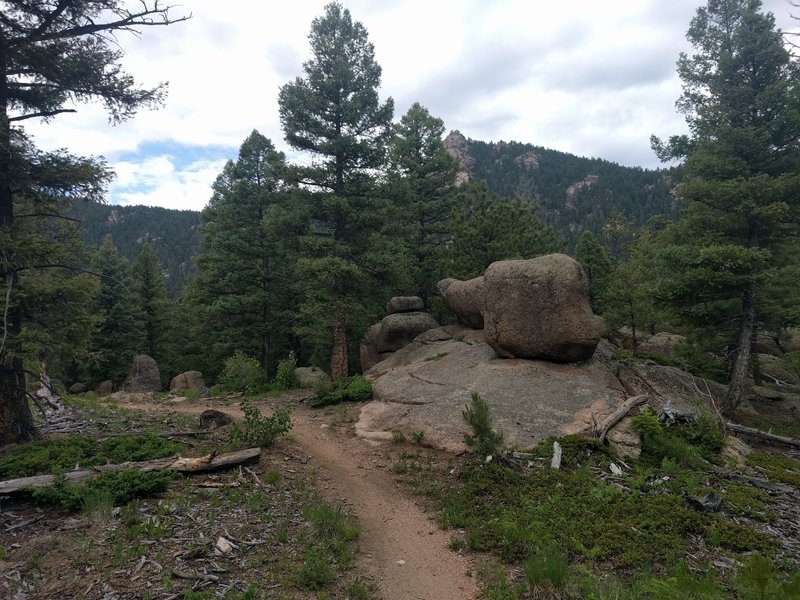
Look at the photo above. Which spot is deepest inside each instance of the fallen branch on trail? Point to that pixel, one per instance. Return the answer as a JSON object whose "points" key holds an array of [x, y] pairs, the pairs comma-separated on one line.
{"points": [[200, 464], [619, 414], [764, 435]]}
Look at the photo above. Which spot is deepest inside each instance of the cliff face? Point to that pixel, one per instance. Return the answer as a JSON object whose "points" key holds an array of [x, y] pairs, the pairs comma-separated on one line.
{"points": [[457, 146], [574, 193]]}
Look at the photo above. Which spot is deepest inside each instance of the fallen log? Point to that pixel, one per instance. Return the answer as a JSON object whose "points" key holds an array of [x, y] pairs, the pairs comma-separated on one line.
{"points": [[619, 414], [200, 464], [764, 435]]}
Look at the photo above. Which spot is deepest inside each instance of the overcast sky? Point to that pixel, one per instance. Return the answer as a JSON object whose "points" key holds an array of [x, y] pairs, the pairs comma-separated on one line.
{"points": [[582, 76]]}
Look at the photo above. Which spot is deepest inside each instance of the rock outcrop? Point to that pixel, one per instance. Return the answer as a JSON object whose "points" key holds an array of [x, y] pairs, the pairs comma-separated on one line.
{"points": [[539, 308], [143, 375], [404, 322], [425, 386], [662, 343], [78, 388], [310, 376], [104, 388], [457, 146], [190, 380], [465, 299]]}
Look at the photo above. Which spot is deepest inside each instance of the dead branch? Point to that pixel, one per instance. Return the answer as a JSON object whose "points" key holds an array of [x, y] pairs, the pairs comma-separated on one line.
{"points": [[201, 464], [620, 414], [764, 435]]}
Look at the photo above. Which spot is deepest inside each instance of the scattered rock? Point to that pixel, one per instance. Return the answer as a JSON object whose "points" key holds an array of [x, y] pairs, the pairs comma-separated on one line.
{"points": [[104, 388], [190, 380], [143, 375], [465, 299], [774, 368], [123, 397], [310, 376], [78, 388], [401, 304], [539, 308], [214, 419]]}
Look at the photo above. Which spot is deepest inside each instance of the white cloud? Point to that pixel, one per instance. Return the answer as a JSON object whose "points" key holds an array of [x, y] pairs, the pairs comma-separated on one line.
{"points": [[581, 76]]}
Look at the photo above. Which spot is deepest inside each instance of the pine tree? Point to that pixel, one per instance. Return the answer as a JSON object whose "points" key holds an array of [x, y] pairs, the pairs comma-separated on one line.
{"points": [[421, 184], [52, 53], [487, 229], [742, 165], [154, 306], [119, 334], [241, 279], [594, 259], [334, 115]]}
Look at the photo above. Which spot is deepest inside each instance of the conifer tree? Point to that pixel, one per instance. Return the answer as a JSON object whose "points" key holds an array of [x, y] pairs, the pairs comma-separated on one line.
{"points": [[53, 53], [240, 285], [421, 185], [487, 229], [334, 115], [154, 306], [594, 259], [119, 334], [742, 165]]}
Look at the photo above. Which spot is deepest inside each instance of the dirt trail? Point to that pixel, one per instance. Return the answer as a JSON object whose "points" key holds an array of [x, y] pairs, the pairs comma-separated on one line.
{"points": [[404, 551]]}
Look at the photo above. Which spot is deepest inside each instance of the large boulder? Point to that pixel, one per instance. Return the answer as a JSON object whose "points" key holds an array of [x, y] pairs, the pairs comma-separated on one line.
{"points": [[424, 387], [104, 388], [775, 369], [400, 329], [401, 304], [143, 375], [368, 351], [190, 380], [464, 299], [78, 388], [539, 308]]}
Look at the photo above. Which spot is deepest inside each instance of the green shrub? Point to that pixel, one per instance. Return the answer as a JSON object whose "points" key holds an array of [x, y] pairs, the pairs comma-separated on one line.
{"points": [[484, 440], [286, 378], [120, 487], [659, 444], [547, 567], [243, 373], [349, 389], [259, 430]]}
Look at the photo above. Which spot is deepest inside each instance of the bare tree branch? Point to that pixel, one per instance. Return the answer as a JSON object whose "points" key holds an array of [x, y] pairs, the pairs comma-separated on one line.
{"points": [[45, 114]]}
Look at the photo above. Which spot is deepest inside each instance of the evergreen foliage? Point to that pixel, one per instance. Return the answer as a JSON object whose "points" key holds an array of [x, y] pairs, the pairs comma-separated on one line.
{"points": [[334, 115], [53, 53], [119, 334], [486, 229], [156, 311], [421, 184], [240, 295], [596, 263], [742, 186]]}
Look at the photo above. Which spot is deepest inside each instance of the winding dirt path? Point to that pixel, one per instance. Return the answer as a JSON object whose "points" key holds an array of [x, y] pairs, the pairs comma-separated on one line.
{"points": [[403, 550]]}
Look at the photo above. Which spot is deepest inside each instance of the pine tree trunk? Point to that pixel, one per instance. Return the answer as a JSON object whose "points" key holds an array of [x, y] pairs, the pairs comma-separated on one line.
{"points": [[16, 421], [738, 385], [339, 351]]}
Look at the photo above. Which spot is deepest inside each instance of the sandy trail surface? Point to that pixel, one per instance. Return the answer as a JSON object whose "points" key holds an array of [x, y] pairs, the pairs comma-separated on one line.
{"points": [[403, 550]]}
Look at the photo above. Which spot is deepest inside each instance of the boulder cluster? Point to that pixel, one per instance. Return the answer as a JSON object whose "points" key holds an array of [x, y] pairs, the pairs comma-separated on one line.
{"points": [[404, 321]]}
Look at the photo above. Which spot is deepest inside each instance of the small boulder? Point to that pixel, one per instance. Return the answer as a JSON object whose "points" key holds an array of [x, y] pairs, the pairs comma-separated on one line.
{"points": [[465, 299], [310, 376], [368, 351], [143, 375], [214, 419], [104, 388], [777, 369], [78, 388], [131, 397], [190, 380], [539, 308], [402, 304], [399, 330]]}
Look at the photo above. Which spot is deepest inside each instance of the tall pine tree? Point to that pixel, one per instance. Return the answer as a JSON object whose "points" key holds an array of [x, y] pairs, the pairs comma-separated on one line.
{"points": [[334, 115], [150, 289], [741, 98]]}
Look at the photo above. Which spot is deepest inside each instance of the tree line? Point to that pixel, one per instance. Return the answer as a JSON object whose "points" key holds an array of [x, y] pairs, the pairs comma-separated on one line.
{"points": [[302, 256]]}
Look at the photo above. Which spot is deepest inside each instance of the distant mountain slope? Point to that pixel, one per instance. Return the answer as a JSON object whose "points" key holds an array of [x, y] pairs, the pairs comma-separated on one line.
{"points": [[574, 192], [171, 233]]}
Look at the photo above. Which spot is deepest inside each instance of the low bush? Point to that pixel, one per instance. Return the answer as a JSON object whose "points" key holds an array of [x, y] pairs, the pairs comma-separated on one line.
{"points": [[484, 440], [259, 430], [286, 378], [349, 389], [244, 374]]}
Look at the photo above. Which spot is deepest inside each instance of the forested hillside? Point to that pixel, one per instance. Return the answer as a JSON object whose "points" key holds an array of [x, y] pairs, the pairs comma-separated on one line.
{"points": [[575, 193], [171, 233]]}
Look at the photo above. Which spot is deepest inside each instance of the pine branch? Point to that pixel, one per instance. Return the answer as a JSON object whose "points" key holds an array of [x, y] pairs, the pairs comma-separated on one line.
{"points": [[44, 114]]}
